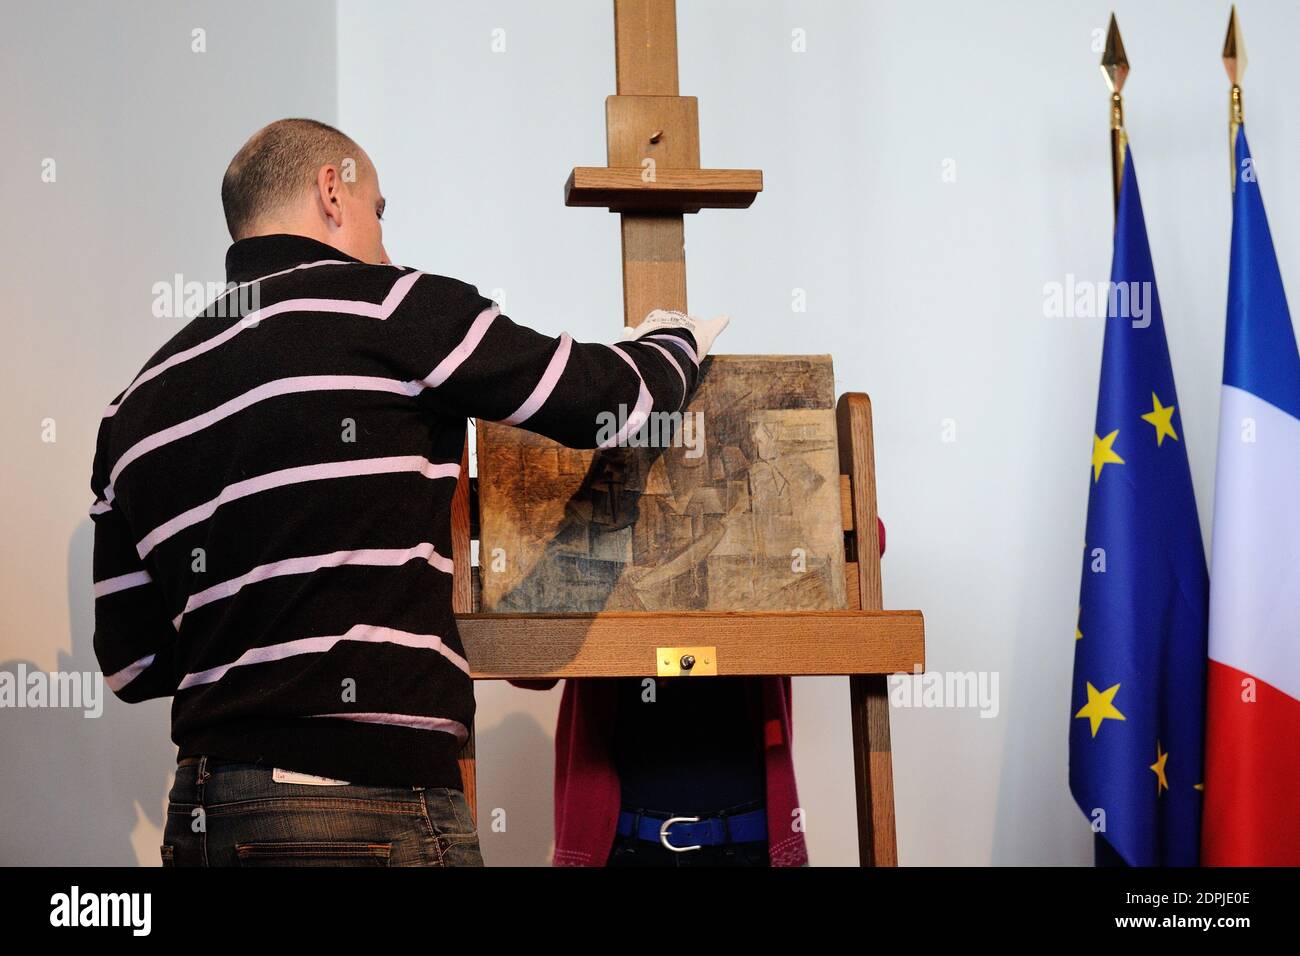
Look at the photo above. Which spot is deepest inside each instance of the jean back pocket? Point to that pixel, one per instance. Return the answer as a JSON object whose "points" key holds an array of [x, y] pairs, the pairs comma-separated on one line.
{"points": [[320, 853]]}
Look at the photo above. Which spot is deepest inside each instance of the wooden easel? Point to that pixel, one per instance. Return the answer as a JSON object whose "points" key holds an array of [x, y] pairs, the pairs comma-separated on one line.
{"points": [[652, 180]]}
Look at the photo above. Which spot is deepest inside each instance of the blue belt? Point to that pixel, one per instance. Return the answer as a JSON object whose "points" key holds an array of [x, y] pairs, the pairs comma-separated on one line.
{"points": [[690, 833]]}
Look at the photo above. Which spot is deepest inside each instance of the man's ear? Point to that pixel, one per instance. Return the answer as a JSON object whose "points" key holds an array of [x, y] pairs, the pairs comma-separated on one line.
{"points": [[328, 187]]}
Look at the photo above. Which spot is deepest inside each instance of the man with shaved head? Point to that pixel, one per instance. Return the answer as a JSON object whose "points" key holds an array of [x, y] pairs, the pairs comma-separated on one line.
{"points": [[264, 188], [272, 517]]}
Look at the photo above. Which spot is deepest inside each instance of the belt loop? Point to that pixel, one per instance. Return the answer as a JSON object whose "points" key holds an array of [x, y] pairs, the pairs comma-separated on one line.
{"points": [[726, 830], [202, 779]]}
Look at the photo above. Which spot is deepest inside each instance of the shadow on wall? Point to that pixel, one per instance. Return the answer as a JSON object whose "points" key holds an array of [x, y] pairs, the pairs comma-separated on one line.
{"points": [[92, 791], [80, 790], [515, 821]]}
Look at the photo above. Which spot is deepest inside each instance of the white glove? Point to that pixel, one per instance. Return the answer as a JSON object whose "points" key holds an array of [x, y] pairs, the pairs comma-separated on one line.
{"points": [[704, 330]]}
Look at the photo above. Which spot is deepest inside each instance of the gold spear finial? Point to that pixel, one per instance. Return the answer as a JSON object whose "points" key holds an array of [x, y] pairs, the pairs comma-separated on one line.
{"points": [[1234, 61], [1114, 63], [1234, 49], [1114, 67]]}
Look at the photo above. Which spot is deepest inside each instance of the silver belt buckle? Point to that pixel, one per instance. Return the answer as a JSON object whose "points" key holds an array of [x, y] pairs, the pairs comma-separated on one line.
{"points": [[663, 834]]}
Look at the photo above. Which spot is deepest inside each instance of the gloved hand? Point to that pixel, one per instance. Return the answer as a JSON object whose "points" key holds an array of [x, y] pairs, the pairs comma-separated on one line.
{"points": [[704, 330]]}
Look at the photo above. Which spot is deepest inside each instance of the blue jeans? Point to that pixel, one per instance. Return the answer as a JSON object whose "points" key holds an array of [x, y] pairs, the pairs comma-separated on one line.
{"points": [[226, 813]]}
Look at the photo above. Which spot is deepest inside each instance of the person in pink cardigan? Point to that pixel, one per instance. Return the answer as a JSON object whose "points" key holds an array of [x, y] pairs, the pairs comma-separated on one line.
{"points": [[676, 772]]}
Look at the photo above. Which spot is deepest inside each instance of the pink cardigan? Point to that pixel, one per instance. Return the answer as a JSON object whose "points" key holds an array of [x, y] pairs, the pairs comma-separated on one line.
{"points": [[587, 786], [587, 794]]}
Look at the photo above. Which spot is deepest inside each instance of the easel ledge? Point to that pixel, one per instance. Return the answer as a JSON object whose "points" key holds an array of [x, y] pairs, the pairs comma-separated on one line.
{"points": [[748, 643]]}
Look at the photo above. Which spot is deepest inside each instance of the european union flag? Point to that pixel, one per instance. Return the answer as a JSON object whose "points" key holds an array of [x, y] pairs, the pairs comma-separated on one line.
{"points": [[1137, 713]]}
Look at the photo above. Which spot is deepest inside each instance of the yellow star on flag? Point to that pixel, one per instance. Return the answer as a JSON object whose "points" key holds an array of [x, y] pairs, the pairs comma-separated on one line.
{"points": [[1100, 707], [1103, 454], [1162, 418], [1158, 768]]}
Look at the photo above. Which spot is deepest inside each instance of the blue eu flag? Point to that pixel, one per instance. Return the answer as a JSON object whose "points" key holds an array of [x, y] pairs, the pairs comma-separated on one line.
{"points": [[1138, 697]]}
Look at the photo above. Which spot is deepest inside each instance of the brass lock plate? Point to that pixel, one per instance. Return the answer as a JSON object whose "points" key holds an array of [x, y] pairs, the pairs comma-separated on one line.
{"points": [[686, 661]]}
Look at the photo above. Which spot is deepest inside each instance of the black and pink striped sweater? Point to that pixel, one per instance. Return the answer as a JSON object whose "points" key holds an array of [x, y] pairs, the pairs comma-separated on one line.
{"points": [[272, 504]]}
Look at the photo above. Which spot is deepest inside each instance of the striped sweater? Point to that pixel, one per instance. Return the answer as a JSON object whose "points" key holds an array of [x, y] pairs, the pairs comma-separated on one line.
{"points": [[273, 504]]}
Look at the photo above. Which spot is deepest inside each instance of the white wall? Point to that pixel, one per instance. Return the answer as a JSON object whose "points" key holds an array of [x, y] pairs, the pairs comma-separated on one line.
{"points": [[928, 294], [141, 129]]}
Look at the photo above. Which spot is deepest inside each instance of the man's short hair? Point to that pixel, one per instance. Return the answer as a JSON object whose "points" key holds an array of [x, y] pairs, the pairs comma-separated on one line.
{"points": [[277, 165]]}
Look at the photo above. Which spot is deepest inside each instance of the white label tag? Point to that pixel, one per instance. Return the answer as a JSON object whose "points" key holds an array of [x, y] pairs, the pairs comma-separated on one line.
{"points": [[311, 780]]}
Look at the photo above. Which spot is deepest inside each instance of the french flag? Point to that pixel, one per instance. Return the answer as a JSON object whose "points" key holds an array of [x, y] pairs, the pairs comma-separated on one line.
{"points": [[1252, 749]]}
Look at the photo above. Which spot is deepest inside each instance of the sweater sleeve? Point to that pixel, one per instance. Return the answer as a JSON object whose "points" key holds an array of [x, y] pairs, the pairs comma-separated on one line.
{"points": [[467, 358], [135, 642]]}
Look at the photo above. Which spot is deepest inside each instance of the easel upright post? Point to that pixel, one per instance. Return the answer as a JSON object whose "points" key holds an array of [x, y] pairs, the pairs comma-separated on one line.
{"points": [[873, 765], [654, 244], [462, 602], [653, 179]]}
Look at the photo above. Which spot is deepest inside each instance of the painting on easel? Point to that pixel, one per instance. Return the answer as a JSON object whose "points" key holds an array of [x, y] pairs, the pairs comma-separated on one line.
{"points": [[739, 510]]}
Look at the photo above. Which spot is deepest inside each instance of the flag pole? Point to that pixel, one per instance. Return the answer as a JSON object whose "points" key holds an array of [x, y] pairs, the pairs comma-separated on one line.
{"points": [[1234, 61], [1114, 67]]}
